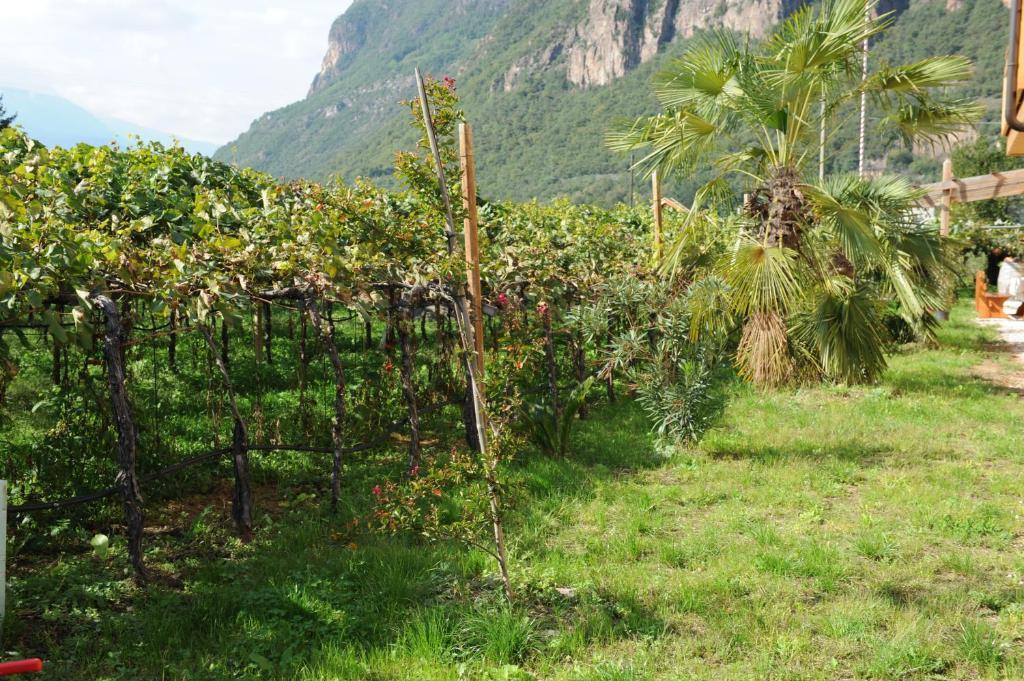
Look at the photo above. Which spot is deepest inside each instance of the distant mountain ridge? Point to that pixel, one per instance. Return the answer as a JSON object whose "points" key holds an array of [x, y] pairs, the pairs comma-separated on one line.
{"points": [[542, 80], [56, 121]]}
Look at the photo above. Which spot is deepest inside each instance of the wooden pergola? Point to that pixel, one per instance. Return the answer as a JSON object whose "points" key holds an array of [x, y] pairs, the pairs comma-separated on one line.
{"points": [[942, 195]]}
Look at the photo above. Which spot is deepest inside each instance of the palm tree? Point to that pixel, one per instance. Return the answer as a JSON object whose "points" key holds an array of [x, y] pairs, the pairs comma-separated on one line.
{"points": [[812, 264]]}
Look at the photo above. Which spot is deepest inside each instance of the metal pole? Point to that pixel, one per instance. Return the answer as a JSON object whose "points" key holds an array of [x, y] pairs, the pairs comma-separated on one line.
{"points": [[821, 150], [632, 178], [863, 97], [656, 195]]}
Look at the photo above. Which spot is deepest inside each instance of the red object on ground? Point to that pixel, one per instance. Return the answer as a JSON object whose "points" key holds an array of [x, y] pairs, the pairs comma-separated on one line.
{"points": [[21, 667]]}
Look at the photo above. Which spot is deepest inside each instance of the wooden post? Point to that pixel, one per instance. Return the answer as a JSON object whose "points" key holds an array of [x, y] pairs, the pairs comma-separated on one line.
{"points": [[656, 192], [3, 554], [947, 198], [471, 227]]}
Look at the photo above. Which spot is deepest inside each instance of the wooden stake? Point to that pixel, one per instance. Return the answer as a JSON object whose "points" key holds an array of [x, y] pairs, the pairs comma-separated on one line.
{"points": [[947, 197], [471, 229], [656, 192]]}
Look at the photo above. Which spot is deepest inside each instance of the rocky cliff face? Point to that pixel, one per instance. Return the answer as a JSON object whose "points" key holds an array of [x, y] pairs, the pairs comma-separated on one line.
{"points": [[619, 35], [541, 80], [348, 36], [613, 38]]}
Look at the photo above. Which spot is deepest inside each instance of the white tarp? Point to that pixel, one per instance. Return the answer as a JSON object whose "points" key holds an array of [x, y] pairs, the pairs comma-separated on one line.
{"points": [[1011, 278], [1011, 283]]}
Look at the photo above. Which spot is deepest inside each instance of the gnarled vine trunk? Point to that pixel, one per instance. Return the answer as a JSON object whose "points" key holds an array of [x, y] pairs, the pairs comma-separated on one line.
{"points": [[268, 329], [225, 356], [303, 371], [402, 324], [172, 342], [579, 357], [242, 502], [326, 334], [127, 436], [552, 364]]}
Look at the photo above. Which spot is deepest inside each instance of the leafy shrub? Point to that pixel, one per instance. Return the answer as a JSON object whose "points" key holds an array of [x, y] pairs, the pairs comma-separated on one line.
{"points": [[685, 407], [668, 349], [552, 432]]}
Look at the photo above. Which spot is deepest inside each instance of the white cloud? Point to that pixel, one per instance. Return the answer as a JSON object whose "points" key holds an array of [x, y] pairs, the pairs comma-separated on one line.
{"points": [[202, 69]]}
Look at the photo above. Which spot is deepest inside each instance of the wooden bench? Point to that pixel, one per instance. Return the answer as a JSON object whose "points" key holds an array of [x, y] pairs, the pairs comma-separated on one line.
{"points": [[988, 305]]}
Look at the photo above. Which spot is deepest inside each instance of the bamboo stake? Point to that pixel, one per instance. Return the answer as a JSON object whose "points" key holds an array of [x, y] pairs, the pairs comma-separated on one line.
{"points": [[428, 121], [658, 214], [465, 329], [946, 212], [471, 229]]}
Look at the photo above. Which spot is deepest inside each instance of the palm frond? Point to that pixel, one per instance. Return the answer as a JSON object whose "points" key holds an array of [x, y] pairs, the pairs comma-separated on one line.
{"points": [[930, 120], [695, 225], [848, 333], [702, 75], [708, 302], [841, 210], [821, 41], [673, 140], [762, 278], [933, 72]]}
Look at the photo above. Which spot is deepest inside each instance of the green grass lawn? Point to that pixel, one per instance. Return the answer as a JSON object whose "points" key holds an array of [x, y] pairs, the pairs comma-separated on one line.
{"points": [[816, 533]]}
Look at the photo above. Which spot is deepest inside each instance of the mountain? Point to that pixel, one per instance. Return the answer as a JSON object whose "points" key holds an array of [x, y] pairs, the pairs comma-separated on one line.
{"points": [[542, 80], [56, 121]]}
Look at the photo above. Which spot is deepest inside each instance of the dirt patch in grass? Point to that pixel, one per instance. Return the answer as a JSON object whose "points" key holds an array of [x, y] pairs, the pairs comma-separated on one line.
{"points": [[1005, 375]]}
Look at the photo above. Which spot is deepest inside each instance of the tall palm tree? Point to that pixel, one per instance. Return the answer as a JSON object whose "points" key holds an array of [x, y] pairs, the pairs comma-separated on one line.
{"points": [[812, 263]]}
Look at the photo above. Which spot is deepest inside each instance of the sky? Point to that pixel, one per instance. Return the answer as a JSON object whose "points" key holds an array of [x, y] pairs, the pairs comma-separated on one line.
{"points": [[203, 69]]}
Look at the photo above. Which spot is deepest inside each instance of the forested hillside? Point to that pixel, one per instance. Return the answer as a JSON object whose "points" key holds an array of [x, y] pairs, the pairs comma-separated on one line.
{"points": [[543, 80]]}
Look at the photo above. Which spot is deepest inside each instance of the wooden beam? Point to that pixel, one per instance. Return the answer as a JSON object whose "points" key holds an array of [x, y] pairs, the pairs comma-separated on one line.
{"points": [[946, 211], [979, 188], [673, 204], [471, 227]]}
